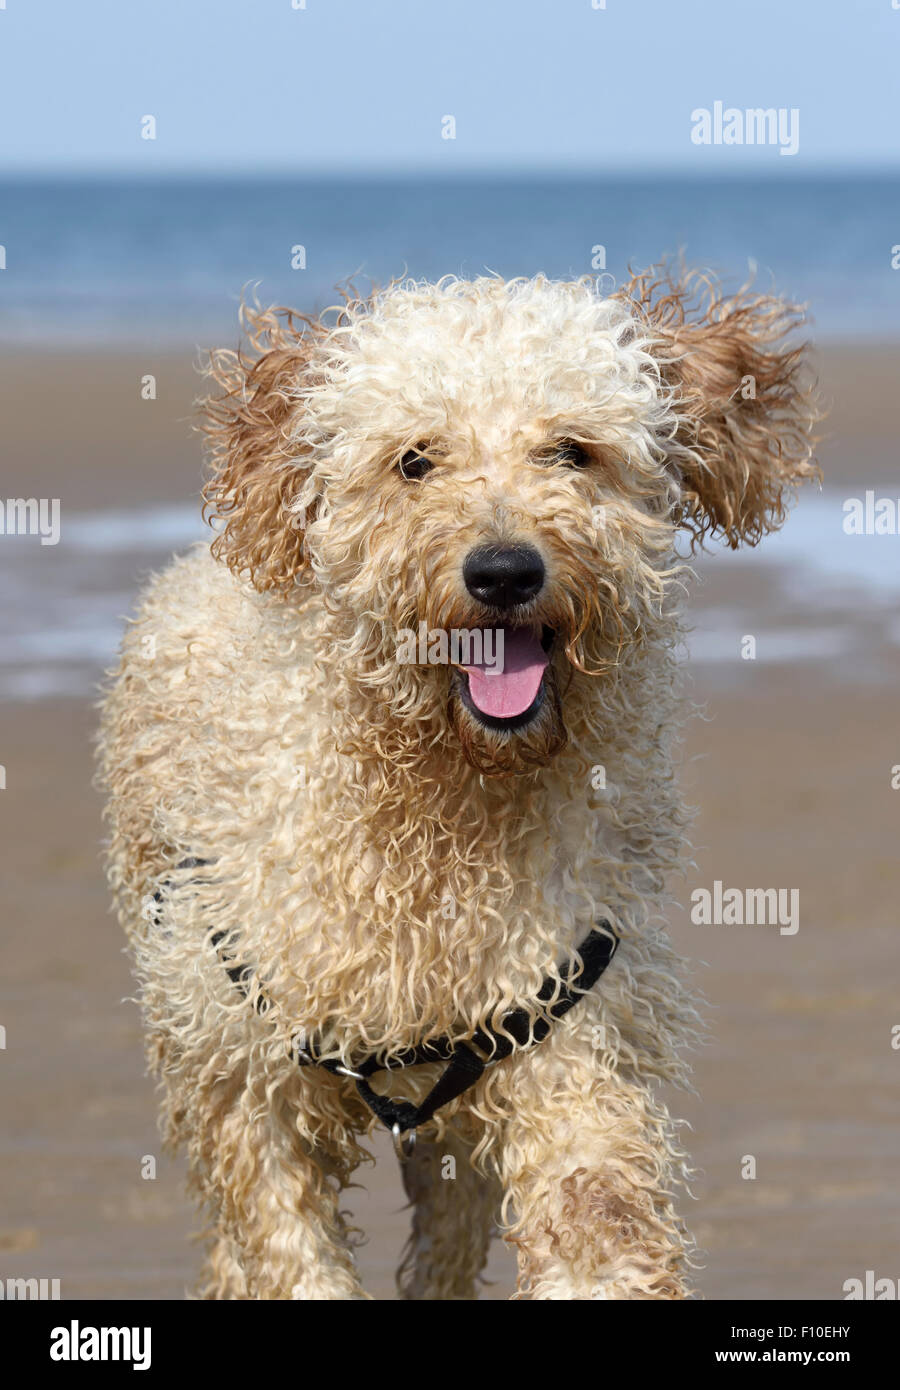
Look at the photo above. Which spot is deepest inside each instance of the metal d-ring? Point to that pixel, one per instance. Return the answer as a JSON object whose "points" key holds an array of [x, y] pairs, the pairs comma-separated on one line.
{"points": [[345, 1071], [404, 1142]]}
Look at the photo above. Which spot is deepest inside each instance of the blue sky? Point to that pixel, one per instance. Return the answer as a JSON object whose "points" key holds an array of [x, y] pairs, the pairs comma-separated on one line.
{"points": [[256, 86]]}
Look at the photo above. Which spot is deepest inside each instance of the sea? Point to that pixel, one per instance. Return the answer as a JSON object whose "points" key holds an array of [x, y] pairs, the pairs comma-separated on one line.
{"points": [[136, 262]]}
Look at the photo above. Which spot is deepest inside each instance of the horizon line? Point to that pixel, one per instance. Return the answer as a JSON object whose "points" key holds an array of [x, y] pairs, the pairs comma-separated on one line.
{"points": [[506, 172]]}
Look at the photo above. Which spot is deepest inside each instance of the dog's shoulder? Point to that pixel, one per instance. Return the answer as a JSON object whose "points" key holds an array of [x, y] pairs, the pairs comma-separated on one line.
{"points": [[193, 594], [202, 632]]}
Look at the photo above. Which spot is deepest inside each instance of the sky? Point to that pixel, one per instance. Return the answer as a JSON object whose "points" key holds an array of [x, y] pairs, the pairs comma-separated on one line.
{"points": [[340, 86]]}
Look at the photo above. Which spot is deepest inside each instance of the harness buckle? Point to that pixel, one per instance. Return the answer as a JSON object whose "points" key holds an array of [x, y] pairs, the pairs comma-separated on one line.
{"points": [[404, 1143], [345, 1071]]}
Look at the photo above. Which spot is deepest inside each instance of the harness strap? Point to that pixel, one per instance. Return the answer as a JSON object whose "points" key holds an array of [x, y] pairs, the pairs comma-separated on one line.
{"points": [[465, 1064], [399, 1116]]}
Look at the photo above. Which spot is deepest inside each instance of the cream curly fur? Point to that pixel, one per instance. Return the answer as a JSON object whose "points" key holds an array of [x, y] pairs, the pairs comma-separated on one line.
{"points": [[388, 868]]}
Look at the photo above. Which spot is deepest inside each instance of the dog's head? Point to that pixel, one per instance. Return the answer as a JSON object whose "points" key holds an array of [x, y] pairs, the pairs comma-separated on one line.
{"points": [[485, 480]]}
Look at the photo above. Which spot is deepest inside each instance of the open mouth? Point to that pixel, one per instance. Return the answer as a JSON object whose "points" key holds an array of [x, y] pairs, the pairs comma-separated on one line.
{"points": [[509, 693]]}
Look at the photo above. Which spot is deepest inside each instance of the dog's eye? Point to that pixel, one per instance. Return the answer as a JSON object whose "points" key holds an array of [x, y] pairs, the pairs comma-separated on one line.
{"points": [[571, 454], [414, 466], [567, 452]]}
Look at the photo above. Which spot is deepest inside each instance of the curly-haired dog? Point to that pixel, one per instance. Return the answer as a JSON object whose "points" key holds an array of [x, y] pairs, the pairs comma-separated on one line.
{"points": [[329, 858]]}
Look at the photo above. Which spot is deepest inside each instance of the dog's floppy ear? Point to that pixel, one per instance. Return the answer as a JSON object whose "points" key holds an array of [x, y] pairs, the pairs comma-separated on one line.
{"points": [[256, 459], [745, 397]]}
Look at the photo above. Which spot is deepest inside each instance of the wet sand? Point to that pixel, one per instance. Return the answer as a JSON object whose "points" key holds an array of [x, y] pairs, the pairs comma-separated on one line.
{"points": [[791, 775]]}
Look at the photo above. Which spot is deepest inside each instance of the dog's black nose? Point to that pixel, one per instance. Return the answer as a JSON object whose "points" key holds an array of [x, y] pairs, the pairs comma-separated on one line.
{"points": [[503, 577]]}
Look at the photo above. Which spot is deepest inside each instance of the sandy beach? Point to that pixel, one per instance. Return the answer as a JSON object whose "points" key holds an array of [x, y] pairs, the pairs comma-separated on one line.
{"points": [[790, 772]]}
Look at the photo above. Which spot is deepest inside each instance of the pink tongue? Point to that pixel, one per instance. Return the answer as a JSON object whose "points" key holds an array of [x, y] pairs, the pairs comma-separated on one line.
{"points": [[511, 685]]}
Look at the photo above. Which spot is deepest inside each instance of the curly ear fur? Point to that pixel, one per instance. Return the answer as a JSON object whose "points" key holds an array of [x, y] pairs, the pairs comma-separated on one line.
{"points": [[743, 444], [253, 458]]}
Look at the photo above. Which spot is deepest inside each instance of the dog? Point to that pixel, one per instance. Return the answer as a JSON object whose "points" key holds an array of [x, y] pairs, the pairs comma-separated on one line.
{"points": [[430, 893]]}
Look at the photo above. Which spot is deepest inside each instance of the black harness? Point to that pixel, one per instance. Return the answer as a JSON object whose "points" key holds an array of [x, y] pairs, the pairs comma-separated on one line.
{"points": [[465, 1064], [466, 1061]]}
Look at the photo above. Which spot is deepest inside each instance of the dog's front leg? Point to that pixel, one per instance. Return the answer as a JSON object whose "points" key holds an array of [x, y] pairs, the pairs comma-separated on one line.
{"points": [[587, 1161], [280, 1233]]}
